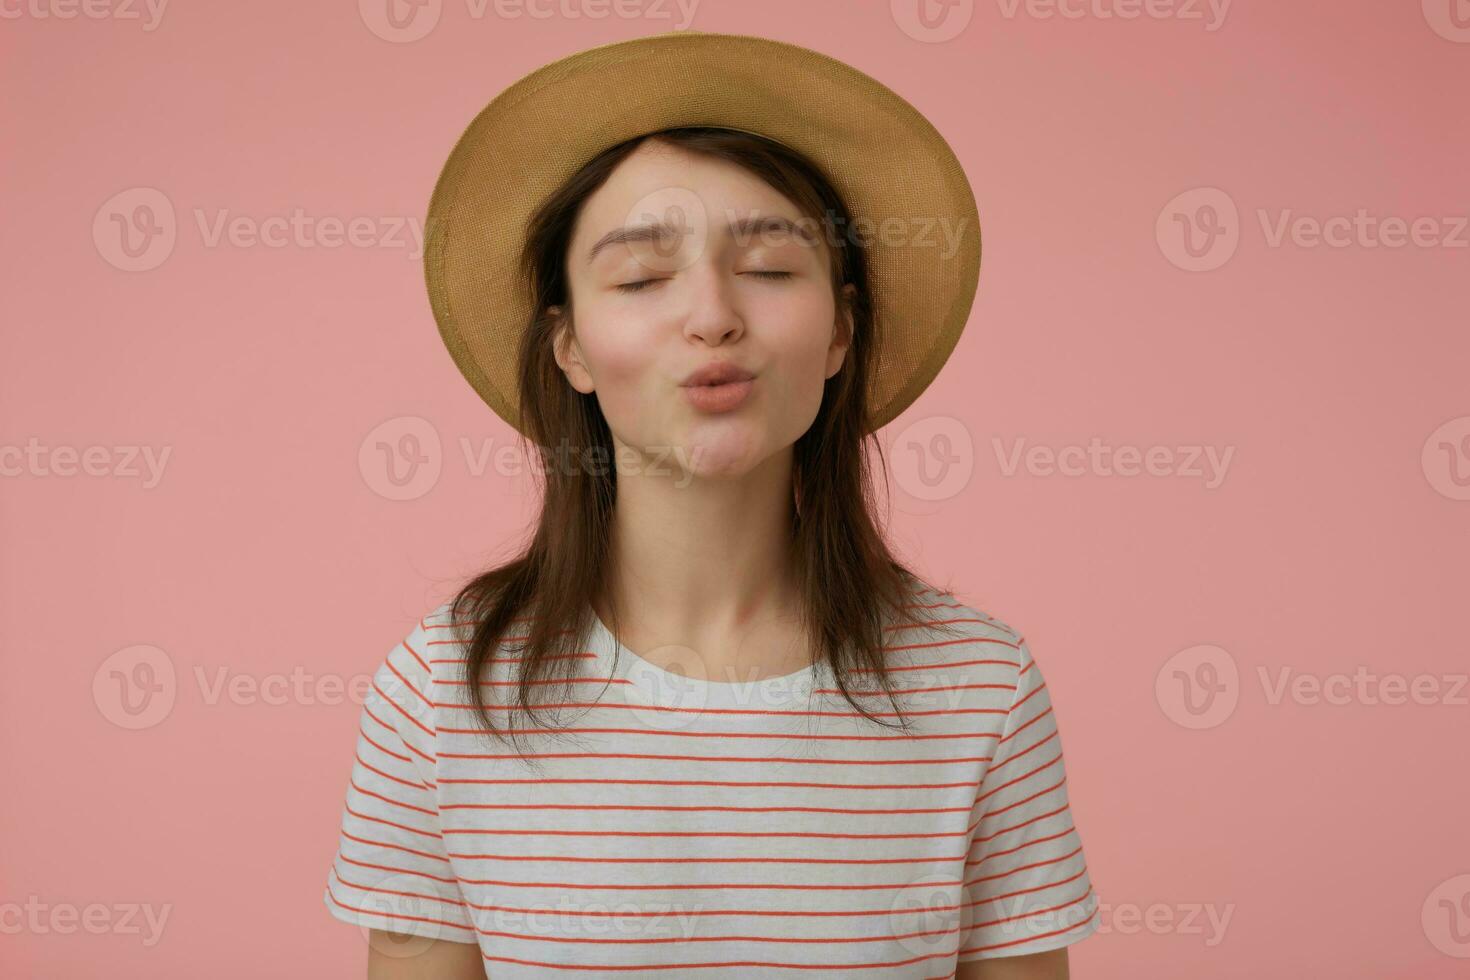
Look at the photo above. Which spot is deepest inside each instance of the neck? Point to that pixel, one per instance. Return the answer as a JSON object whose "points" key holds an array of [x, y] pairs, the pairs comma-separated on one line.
{"points": [[695, 556]]}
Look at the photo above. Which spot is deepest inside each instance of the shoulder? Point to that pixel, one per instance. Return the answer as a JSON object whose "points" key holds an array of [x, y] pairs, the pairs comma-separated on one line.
{"points": [[443, 634], [427, 641], [418, 667], [958, 657], [936, 615]]}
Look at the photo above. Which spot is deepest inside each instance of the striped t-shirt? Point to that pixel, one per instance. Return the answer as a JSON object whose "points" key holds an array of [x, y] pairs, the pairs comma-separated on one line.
{"points": [[720, 829]]}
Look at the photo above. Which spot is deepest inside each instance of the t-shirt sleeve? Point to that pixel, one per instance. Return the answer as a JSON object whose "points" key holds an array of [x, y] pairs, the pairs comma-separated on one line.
{"points": [[1026, 881], [392, 869]]}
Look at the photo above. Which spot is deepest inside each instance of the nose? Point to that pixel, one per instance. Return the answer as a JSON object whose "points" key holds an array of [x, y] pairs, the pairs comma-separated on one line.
{"points": [[714, 316]]}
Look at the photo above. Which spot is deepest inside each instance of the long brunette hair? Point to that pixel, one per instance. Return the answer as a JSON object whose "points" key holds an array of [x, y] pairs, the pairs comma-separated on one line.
{"points": [[852, 588]]}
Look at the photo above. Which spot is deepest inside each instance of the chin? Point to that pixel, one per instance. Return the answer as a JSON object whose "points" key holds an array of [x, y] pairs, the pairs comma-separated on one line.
{"points": [[721, 449]]}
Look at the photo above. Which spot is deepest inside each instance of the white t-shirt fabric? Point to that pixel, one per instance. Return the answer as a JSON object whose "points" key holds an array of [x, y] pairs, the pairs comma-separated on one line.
{"points": [[716, 828]]}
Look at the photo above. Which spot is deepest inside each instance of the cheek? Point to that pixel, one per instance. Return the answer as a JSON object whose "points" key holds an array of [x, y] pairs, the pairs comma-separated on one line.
{"points": [[800, 337], [620, 355]]}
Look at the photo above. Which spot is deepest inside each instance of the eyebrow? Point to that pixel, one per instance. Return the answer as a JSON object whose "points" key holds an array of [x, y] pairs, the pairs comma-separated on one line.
{"points": [[659, 231]]}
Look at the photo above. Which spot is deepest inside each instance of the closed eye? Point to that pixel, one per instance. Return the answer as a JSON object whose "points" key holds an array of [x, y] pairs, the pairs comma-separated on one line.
{"points": [[771, 274], [633, 287]]}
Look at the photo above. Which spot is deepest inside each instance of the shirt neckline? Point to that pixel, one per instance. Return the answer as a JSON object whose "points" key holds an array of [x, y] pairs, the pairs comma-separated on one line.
{"points": [[648, 683]]}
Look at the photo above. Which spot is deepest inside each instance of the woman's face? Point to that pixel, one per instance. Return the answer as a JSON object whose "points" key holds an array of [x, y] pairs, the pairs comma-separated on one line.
{"points": [[651, 309]]}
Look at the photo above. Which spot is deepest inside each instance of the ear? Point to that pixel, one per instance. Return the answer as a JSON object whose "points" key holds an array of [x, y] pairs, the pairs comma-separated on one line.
{"points": [[568, 352], [842, 330]]}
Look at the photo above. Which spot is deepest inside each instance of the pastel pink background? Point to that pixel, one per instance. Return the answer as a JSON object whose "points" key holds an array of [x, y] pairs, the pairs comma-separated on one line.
{"points": [[267, 547]]}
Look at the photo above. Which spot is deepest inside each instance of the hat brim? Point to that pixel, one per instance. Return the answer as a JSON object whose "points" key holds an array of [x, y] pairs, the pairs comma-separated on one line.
{"points": [[900, 179]]}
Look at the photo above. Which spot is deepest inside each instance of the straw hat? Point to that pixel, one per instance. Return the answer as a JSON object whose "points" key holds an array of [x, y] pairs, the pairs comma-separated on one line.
{"points": [[906, 191]]}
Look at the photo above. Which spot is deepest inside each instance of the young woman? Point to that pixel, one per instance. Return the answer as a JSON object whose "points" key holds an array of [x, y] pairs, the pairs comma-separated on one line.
{"points": [[705, 724]]}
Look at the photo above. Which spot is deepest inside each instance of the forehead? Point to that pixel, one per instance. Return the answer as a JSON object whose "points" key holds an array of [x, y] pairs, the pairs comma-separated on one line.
{"points": [[657, 176]]}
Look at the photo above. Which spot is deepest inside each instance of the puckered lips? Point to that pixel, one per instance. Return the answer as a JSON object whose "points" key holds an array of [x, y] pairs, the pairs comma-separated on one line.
{"points": [[718, 386]]}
